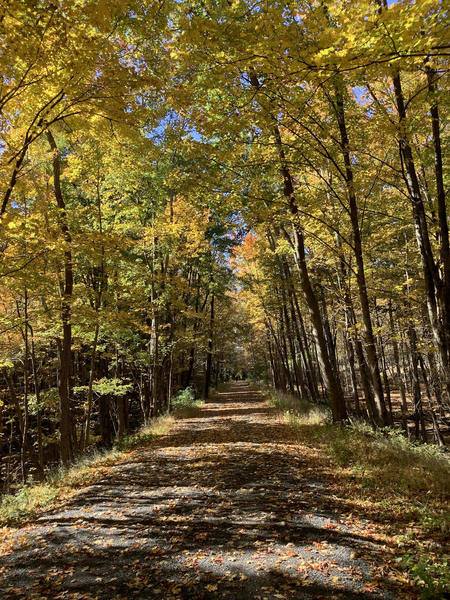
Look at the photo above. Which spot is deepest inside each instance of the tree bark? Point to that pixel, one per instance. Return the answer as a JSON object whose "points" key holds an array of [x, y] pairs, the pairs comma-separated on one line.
{"points": [[330, 377], [444, 287], [209, 350], [369, 338], [430, 272], [65, 345]]}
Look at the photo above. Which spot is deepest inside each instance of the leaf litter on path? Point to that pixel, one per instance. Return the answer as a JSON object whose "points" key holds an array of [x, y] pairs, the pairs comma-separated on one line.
{"points": [[229, 504]]}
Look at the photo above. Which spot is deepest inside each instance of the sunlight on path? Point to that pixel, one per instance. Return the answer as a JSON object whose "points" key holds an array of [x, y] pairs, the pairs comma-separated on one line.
{"points": [[228, 505]]}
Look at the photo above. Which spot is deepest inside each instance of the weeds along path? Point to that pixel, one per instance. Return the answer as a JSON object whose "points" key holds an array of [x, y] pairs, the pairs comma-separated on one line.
{"points": [[229, 504]]}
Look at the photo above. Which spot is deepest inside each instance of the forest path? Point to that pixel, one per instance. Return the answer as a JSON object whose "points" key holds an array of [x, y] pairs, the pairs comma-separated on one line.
{"points": [[229, 504]]}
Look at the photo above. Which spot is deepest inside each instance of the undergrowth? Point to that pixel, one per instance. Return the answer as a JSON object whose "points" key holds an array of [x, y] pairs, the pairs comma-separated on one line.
{"points": [[383, 460], [32, 497], [407, 485], [184, 403]]}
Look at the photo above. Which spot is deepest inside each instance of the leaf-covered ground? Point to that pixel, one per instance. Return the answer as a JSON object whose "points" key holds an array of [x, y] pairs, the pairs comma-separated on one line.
{"points": [[229, 504]]}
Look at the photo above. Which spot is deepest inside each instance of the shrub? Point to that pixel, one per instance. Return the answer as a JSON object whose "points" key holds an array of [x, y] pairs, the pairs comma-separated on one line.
{"points": [[184, 399]]}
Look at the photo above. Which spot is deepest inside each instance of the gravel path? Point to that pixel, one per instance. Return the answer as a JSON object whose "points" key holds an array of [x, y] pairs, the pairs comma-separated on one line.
{"points": [[227, 505]]}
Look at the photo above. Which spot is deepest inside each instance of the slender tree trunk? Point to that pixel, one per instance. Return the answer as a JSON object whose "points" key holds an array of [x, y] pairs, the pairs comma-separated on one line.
{"points": [[106, 431], [65, 345], [283, 336], [84, 442], [384, 367], [271, 360], [369, 338], [169, 383], [310, 368], [290, 336], [431, 276], [122, 416], [330, 377], [306, 390], [401, 384], [443, 406], [24, 434], [209, 351], [417, 395], [284, 375], [437, 432], [444, 288], [26, 387], [191, 360], [362, 366], [37, 392]]}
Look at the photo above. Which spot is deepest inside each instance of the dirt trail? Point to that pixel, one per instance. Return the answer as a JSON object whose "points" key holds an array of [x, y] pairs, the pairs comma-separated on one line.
{"points": [[227, 505]]}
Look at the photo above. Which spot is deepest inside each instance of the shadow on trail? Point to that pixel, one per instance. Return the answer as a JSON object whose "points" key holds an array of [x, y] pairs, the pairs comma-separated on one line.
{"points": [[226, 506]]}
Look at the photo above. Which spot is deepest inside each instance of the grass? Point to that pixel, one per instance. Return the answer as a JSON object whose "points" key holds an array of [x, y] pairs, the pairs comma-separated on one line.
{"points": [[31, 498], [384, 460], [404, 485]]}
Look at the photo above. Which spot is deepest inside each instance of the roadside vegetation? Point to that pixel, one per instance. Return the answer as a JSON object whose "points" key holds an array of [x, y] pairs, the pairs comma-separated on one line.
{"points": [[30, 498], [404, 485]]}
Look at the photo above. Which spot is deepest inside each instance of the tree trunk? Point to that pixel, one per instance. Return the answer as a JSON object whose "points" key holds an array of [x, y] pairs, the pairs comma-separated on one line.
{"points": [[431, 276], [369, 338], [84, 442], [37, 392], [330, 377], [64, 345], [444, 288], [122, 416], [401, 384], [106, 431], [414, 361], [209, 351]]}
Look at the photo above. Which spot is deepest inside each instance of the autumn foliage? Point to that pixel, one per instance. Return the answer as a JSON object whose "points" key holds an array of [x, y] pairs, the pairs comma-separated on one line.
{"points": [[194, 191]]}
